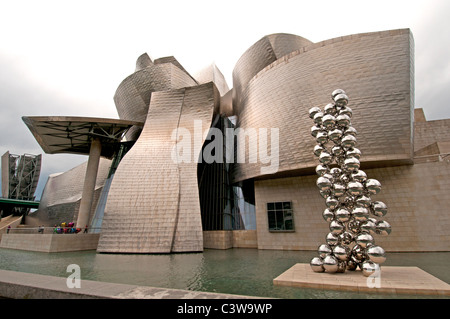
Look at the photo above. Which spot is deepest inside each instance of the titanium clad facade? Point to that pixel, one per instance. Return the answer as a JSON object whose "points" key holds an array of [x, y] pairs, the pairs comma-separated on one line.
{"points": [[61, 197], [153, 203], [377, 72], [133, 95]]}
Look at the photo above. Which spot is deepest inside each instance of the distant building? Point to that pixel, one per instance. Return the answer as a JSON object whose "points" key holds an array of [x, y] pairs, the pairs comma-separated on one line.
{"points": [[20, 176], [206, 166]]}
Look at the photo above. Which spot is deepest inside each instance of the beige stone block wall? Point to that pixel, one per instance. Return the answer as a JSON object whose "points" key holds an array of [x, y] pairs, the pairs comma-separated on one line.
{"points": [[245, 239], [50, 242], [225, 239], [416, 196], [218, 239]]}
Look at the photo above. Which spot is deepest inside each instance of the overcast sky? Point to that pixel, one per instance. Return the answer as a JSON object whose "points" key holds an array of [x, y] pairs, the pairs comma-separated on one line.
{"points": [[68, 57]]}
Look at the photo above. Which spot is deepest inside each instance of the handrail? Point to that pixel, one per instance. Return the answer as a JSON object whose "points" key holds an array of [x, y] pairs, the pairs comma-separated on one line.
{"points": [[52, 230]]}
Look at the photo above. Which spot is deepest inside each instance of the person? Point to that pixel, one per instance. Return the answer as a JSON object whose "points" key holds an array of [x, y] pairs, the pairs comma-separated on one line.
{"points": [[9, 227], [86, 229]]}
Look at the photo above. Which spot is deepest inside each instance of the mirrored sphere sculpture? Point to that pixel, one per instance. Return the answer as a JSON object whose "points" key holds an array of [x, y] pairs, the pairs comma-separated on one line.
{"points": [[348, 192]]}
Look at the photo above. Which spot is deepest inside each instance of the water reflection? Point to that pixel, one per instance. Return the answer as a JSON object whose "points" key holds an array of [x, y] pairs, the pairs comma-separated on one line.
{"points": [[235, 271]]}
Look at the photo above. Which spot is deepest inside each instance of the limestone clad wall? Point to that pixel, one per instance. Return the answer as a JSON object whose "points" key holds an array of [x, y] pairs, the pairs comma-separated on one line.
{"points": [[415, 196]]}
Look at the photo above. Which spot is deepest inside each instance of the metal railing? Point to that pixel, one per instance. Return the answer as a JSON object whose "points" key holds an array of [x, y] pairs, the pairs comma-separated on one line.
{"points": [[53, 230]]}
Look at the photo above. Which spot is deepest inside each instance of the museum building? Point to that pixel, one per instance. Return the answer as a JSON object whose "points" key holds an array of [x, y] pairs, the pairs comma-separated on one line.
{"points": [[174, 174]]}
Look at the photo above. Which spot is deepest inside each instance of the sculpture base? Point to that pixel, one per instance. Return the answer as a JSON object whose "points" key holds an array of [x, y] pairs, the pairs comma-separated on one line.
{"points": [[395, 280]]}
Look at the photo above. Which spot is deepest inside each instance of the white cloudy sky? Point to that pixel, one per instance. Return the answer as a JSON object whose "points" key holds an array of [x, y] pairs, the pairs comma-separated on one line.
{"points": [[68, 57]]}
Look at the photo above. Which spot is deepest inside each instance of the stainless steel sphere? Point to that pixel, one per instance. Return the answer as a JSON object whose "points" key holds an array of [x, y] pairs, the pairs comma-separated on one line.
{"points": [[341, 252], [342, 215], [334, 135], [314, 130], [355, 188], [318, 149], [364, 239], [332, 202], [331, 264], [363, 201], [324, 250], [325, 158], [321, 169], [382, 228], [332, 239], [358, 252], [330, 108], [354, 152], [323, 183], [351, 164], [346, 111], [343, 121], [342, 265], [369, 268], [350, 131], [328, 215], [336, 92], [368, 227], [352, 264], [335, 172], [336, 227], [317, 264], [328, 121], [337, 150], [360, 214], [348, 142], [354, 226], [322, 137], [313, 111], [373, 186], [378, 209], [376, 254], [325, 194], [318, 118], [346, 238], [341, 100], [359, 176], [338, 189]]}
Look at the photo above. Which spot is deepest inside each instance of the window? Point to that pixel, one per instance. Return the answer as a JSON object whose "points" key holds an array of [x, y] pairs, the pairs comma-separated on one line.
{"points": [[280, 217]]}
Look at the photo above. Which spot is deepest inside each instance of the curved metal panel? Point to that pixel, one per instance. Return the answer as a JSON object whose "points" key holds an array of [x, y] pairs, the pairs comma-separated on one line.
{"points": [[153, 204], [261, 54], [375, 69], [62, 194]]}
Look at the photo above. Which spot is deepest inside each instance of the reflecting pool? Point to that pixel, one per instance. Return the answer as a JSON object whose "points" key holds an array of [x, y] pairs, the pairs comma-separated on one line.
{"points": [[233, 271]]}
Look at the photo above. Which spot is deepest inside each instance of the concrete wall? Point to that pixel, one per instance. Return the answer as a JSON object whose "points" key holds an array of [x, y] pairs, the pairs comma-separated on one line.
{"points": [[416, 196]]}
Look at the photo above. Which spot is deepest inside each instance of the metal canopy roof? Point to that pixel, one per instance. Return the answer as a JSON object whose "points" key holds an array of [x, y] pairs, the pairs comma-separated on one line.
{"points": [[64, 134]]}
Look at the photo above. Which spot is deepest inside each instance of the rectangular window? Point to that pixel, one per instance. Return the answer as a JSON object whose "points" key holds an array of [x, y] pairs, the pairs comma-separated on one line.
{"points": [[280, 217]]}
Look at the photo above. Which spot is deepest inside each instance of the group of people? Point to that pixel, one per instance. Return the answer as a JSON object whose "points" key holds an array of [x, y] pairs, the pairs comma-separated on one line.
{"points": [[68, 228]]}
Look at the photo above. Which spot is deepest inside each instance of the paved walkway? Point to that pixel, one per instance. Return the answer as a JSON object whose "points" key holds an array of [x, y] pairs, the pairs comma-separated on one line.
{"points": [[397, 280], [19, 285]]}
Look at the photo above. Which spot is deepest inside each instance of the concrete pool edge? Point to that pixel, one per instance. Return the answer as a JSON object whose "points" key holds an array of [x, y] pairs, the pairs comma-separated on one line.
{"points": [[393, 280], [20, 285]]}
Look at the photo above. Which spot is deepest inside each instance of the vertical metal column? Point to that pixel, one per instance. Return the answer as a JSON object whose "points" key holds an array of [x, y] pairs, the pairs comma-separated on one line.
{"points": [[89, 183]]}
